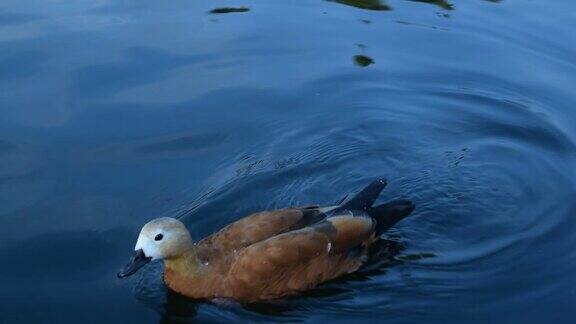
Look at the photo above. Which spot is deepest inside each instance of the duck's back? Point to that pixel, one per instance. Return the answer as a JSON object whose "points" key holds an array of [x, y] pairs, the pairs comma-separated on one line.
{"points": [[256, 228], [299, 260], [264, 225]]}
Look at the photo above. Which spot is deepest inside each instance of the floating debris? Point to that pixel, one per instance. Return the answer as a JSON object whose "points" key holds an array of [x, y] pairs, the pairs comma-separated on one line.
{"points": [[363, 60]]}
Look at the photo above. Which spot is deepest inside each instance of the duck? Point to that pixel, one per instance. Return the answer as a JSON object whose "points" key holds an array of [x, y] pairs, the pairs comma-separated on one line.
{"points": [[271, 254]]}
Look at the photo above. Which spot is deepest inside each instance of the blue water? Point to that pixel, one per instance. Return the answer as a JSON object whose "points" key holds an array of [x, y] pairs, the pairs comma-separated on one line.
{"points": [[116, 112]]}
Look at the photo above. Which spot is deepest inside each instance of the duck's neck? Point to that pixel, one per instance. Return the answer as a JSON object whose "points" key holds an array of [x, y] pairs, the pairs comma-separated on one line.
{"points": [[183, 274], [186, 265]]}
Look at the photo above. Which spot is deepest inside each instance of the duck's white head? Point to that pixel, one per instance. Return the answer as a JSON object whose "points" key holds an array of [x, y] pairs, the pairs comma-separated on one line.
{"points": [[161, 238]]}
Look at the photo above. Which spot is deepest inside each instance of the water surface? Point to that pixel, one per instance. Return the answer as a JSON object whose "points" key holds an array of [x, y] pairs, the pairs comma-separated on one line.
{"points": [[116, 112]]}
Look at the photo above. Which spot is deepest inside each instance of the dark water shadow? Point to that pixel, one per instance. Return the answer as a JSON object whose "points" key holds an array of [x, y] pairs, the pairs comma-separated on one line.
{"points": [[178, 308], [189, 142], [140, 65], [225, 10]]}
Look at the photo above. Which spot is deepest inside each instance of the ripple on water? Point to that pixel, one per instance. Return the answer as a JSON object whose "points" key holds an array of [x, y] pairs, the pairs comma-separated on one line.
{"points": [[464, 105], [466, 171]]}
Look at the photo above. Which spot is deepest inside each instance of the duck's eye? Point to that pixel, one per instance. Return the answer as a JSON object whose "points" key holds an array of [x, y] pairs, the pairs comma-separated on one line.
{"points": [[158, 237]]}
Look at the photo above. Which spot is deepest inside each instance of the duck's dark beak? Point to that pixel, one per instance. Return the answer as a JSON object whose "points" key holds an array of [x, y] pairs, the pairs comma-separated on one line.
{"points": [[137, 261]]}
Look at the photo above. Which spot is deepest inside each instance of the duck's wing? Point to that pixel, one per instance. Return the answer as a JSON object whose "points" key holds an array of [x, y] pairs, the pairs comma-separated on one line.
{"points": [[261, 226], [258, 227], [301, 259]]}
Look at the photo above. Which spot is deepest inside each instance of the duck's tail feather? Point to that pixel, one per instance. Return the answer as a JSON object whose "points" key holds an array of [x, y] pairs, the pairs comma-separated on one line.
{"points": [[365, 198], [390, 213]]}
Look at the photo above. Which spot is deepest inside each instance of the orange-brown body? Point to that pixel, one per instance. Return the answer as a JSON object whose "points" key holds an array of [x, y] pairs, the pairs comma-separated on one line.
{"points": [[270, 255]]}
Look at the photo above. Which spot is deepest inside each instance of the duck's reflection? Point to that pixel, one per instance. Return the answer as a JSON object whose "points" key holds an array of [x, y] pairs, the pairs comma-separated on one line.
{"points": [[178, 308]]}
